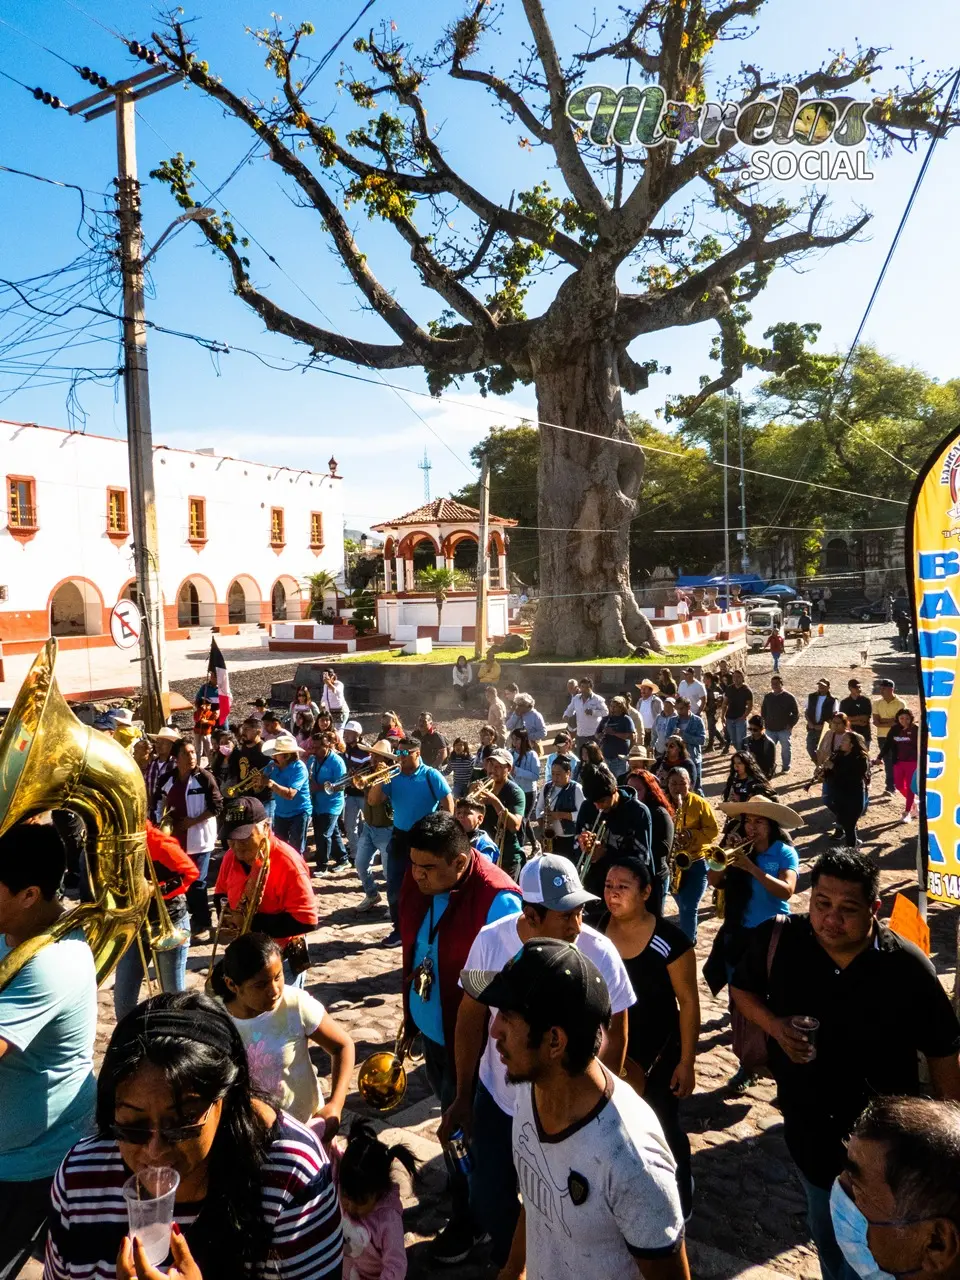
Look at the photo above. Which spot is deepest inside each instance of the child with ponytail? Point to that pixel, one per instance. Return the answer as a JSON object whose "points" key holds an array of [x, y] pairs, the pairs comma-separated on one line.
{"points": [[277, 1024], [370, 1202]]}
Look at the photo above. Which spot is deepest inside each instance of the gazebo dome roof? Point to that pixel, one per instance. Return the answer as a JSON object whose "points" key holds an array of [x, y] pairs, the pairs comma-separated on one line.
{"points": [[440, 511]]}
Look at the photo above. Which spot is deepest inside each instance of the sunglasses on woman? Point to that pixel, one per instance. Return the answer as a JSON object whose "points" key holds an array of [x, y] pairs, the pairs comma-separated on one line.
{"points": [[138, 1135]]}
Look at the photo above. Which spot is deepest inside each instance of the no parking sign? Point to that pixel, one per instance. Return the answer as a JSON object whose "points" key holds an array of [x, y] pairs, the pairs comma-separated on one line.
{"points": [[125, 624]]}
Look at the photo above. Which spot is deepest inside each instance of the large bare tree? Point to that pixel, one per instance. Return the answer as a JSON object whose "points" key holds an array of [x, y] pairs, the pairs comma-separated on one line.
{"points": [[676, 221]]}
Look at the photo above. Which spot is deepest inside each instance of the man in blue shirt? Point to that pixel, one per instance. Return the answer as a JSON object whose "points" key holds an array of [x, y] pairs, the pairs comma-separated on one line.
{"points": [[694, 733], [286, 776], [48, 1020], [415, 791], [325, 766]]}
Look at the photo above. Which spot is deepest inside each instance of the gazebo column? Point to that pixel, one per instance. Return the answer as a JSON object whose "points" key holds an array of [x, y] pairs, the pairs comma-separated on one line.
{"points": [[387, 576], [401, 579]]}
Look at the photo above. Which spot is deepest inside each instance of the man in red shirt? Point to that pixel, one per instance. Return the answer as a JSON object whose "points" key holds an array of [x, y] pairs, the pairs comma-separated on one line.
{"points": [[287, 908]]}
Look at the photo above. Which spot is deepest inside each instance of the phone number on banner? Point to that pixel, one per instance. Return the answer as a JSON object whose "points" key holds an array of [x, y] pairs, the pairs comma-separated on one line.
{"points": [[944, 888]]}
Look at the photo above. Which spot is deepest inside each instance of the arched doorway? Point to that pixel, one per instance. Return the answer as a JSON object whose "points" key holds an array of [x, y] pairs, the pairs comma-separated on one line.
{"points": [[129, 592], [285, 600], [243, 600], [465, 556], [838, 554], [196, 603], [76, 609], [424, 555]]}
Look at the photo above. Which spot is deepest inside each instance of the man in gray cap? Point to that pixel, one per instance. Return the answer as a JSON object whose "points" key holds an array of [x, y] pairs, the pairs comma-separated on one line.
{"points": [[553, 902]]}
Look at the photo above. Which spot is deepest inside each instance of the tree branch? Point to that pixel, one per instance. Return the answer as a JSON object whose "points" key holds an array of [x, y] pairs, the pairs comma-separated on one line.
{"points": [[572, 166], [382, 301]]}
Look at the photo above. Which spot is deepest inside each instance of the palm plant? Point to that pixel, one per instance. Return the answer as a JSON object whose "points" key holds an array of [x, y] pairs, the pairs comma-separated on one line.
{"points": [[441, 582], [320, 585]]}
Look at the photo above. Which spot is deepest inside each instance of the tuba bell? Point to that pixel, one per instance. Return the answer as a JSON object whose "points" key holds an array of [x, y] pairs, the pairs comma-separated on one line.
{"points": [[50, 760]]}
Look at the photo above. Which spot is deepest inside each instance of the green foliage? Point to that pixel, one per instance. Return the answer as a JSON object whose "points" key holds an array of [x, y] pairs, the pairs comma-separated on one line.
{"points": [[440, 582], [321, 585]]}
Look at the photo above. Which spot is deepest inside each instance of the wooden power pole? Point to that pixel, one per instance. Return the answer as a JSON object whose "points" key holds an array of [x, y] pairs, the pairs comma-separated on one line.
{"points": [[483, 559], [120, 99]]}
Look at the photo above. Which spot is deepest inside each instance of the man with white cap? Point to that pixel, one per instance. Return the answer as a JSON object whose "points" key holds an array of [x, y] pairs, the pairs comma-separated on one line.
{"points": [[553, 902]]}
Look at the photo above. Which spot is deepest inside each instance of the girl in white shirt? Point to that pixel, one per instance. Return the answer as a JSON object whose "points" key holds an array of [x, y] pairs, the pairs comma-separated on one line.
{"points": [[277, 1024]]}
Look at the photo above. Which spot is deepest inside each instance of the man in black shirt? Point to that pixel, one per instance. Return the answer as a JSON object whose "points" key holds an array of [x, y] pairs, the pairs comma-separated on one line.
{"points": [[628, 829], [433, 745], [250, 756], [878, 1003], [780, 713], [858, 710], [758, 745], [737, 705]]}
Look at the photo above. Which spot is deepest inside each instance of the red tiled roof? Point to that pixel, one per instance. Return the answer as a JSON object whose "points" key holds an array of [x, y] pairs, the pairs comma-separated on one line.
{"points": [[439, 511]]}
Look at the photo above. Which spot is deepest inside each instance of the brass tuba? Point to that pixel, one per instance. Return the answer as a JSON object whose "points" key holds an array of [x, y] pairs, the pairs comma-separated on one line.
{"points": [[49, 760]]}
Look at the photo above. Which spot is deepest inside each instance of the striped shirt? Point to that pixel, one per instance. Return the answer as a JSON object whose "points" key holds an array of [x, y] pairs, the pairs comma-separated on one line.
{"points": [[89, 1217]]}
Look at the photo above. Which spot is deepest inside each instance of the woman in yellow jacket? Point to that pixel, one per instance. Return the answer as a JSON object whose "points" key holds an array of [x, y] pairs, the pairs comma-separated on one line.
{"points": [[694, 827]]}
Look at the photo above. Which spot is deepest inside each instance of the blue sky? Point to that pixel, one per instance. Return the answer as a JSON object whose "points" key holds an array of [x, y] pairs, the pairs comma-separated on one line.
{"points": [[235, 405]]}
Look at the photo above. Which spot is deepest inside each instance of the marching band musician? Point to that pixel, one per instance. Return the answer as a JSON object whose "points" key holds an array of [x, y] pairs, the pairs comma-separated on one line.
{"points": [[694, 827], [250, 758], [326, 765], [758, 882], [629, 829], [287, 908], [176, 871], [504, 807], [557, 807]]}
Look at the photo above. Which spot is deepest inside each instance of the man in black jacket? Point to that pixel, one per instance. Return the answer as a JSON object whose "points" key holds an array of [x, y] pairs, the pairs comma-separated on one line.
{"points": [[780, 713], [821, 707], [627, 822], [758, 745]]}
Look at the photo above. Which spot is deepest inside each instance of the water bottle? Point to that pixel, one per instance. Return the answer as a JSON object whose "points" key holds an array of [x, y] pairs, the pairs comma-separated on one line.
{"points": [[460, 1151]]}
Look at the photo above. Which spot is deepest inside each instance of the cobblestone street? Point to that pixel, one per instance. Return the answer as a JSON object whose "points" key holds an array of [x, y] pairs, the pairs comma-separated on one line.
{"points": [[749, 1211]]}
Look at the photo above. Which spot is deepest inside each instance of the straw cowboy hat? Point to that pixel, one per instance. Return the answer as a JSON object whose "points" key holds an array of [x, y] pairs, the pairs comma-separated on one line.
{"points": [[284, 744], [648, 684], [762, 808]]}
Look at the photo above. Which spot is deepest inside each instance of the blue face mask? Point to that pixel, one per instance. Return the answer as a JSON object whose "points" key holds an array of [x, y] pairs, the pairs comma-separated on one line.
{"points": [[850, 1227]]}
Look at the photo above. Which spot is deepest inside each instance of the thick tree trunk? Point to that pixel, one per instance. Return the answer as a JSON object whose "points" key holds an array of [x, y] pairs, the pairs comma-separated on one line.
{"points": [[589, 485]]}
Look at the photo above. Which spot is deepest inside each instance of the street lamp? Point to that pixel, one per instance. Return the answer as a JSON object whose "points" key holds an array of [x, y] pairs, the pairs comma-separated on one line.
{"points": [[190, 216]]}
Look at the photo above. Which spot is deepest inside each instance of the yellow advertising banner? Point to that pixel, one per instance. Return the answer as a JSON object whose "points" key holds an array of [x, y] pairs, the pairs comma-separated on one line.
{"points": [[933, 559]]}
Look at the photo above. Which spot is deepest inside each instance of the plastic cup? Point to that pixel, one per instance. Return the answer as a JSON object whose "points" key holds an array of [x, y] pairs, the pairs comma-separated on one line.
{"points": [[150, 1196], [808, 1027]]}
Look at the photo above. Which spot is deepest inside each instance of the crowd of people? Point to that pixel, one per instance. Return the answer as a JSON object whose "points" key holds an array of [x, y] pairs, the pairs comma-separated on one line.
{"points": [[552, 996]]}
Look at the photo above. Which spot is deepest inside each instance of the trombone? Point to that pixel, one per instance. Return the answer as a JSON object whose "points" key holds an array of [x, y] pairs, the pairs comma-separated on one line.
{"points": [[364, 778], [382, 1078], [166, 937], [248, 905], [599, 833]]}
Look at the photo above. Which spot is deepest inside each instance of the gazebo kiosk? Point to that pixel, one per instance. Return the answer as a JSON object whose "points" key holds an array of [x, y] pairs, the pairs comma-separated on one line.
{"points": [[444, 534]]}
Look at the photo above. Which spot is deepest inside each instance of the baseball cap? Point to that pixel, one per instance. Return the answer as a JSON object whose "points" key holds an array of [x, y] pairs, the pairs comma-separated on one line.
{"points": [[241, 816], [552, 977], [122, 715], [501, 755], [551, 881], [354, 726]]}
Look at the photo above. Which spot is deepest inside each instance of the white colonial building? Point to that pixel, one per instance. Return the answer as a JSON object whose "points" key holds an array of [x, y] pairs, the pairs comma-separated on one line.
{"points": [[236, 538]]}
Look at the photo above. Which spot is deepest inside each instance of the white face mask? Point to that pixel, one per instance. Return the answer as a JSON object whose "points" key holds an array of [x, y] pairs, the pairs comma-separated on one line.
{"points": [[850, 1227]]}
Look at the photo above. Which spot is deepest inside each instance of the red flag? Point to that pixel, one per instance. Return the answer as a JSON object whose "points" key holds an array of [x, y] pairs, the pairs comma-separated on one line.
{"points": [[219, 668]]}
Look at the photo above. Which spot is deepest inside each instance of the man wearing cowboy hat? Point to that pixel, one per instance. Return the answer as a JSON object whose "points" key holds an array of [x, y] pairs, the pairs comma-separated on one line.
{"points": [[649, 706], [286, 776], [870, 1003], [160, 769]]}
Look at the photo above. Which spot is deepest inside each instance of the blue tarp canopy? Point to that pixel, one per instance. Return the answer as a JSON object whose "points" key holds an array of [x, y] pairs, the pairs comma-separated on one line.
{"points": [[749, 582], [779, 589]]}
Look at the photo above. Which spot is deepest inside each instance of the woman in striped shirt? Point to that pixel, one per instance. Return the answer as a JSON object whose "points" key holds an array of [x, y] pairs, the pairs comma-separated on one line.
{"points": [[255, 1197]]}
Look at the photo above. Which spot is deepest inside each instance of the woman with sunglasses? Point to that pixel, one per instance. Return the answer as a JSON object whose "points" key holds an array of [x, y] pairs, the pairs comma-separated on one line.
{"points": [[255, 1196]]}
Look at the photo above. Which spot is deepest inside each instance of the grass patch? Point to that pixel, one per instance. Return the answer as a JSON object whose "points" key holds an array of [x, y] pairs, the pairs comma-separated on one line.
{"points": [[678, 655], [447, 654]]}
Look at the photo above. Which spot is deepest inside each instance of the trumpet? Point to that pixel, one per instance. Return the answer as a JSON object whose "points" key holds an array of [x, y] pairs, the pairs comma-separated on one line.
{"points": [[480, 789], [382, 1078], [364, 778], [599, 832], [718, 857], [254, 781]]}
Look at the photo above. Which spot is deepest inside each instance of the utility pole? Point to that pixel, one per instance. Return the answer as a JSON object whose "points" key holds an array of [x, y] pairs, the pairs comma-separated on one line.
{"points": [[483, 559], [726, 502], [744, 558], [154, 690]]}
